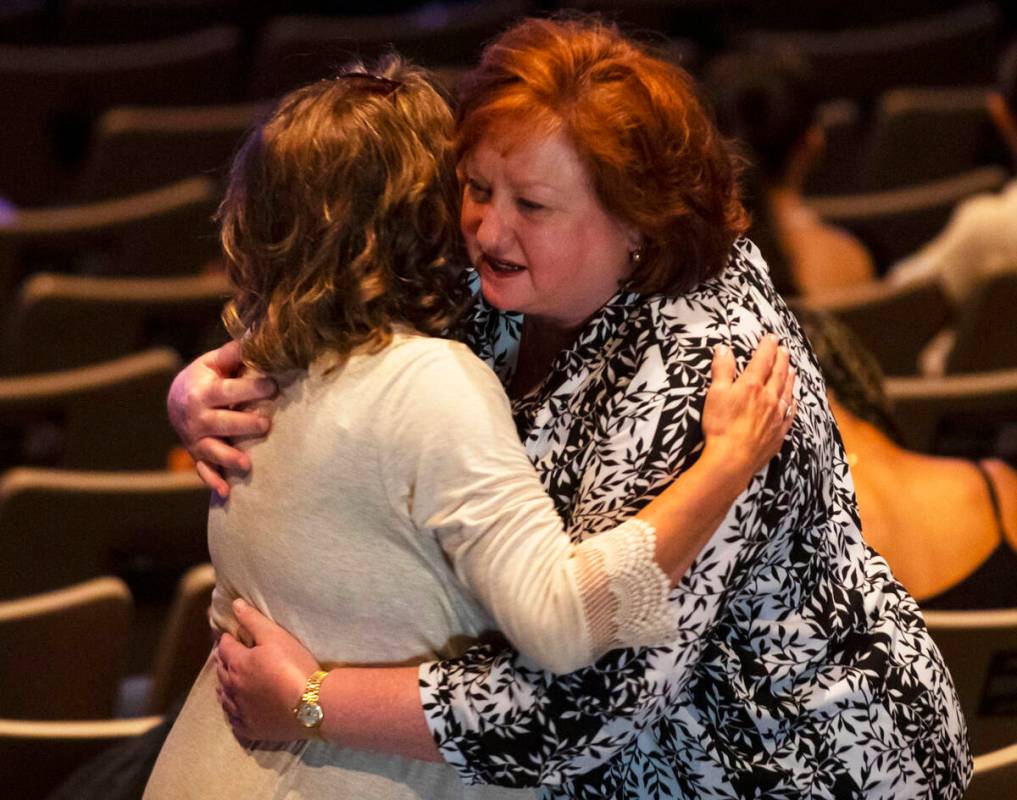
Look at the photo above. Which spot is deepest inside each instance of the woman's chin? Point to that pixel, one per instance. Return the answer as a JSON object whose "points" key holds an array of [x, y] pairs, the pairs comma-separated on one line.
{"points": [[496, 296]]}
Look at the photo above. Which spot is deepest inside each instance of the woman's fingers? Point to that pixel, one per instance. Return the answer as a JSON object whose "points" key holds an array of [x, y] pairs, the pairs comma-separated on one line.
{"points": [[225, 679], [227, 422], [212, 478], [778, 375], [227, 703], [256, 626], [221, 454], [228, 650], [226, 392], [226, 360], [761, 365], [788, 392], [235, 386], [723, 368], [202, 394]]}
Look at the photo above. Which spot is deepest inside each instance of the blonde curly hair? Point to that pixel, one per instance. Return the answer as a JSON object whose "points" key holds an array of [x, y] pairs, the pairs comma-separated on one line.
{"points": [[339, 221]]}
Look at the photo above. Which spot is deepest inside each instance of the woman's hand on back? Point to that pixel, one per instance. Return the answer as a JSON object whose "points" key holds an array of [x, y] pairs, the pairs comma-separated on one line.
{"points": [[745, 419], [201, 409]]}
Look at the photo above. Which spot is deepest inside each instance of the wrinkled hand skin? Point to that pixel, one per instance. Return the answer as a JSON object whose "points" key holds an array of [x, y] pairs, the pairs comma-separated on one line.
{"points": [[205, 408], [260, 684], [746, 419]]}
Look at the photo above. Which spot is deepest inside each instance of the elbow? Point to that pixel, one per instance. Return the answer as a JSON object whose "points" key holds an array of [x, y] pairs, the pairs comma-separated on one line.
{"points": [[558, 655], [551, 629], [564, 663]]}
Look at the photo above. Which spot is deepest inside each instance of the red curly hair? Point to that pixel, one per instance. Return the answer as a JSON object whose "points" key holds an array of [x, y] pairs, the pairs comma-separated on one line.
{"points": [[656, 159]]}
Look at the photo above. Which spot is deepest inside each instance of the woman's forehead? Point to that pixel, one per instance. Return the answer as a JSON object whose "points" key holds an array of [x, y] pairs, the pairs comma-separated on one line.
{"points": [[530, 156]]}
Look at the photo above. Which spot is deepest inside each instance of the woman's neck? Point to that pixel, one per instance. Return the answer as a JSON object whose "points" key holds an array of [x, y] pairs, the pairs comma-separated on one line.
{"points": [[539, 345]]}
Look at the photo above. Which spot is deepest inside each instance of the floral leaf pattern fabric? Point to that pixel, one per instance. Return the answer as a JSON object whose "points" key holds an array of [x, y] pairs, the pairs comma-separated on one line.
{"points": [[799, 667]]}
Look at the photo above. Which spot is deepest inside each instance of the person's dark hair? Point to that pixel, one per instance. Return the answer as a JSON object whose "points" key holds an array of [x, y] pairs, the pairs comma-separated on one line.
{"points": [[766, 101], [764, 232], [339, 220], [656, 159], [1006, 79], [850, 370]]}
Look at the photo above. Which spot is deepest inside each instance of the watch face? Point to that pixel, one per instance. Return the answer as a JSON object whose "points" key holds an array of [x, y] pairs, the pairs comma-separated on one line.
{"points": [[309, 714]]}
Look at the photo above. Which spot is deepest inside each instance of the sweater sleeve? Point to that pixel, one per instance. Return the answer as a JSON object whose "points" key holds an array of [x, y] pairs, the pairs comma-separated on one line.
{"points": [[458, 467]]}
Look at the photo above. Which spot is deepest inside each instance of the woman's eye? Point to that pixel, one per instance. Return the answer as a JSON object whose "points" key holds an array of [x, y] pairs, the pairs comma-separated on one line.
{"points": [[528, 205], [476, 190]]}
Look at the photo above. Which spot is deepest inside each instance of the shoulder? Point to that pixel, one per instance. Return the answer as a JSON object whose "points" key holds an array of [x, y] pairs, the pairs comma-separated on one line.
{"points": [[736, 307], [818, 247], [439, 377], [439, 359], [742, 306]]}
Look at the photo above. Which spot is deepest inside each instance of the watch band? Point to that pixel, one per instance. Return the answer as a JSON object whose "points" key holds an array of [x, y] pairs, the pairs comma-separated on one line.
{"points": [[308, 711], [312, 689]]}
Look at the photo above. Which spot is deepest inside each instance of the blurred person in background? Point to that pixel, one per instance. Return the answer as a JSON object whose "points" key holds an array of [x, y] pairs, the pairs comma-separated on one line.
{"points": [[981, 238], [947, 526], [766, 102]]}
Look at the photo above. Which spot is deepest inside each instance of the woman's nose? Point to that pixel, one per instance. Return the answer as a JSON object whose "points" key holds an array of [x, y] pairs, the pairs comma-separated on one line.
{"points": [[491, 230]]}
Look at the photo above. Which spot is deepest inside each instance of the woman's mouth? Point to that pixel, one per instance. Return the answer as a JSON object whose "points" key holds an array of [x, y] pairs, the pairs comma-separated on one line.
{"points": [[501, 267]]}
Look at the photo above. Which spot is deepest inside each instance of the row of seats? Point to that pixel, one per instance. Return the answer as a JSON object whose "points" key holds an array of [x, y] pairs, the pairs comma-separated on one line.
{"points": [[112, 415], [63, 692], [108, 416], [98, 21], [877, 151], [895, 223], [166, 231], [896, 323], [139, 149], [86, 523], [59, 322], [169, 232], [51, 95], [135, 149], [955, 48]]}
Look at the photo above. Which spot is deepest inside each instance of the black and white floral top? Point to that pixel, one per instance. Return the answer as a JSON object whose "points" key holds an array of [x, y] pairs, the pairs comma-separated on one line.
{"points": [[799, 667]]}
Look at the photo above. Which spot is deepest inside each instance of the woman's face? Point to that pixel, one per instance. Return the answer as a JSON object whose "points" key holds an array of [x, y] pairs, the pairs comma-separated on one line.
{"points": [[536, 232]]}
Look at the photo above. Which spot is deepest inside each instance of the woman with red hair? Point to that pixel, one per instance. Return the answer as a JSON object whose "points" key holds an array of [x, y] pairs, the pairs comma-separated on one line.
{"points": [[602, 217]]}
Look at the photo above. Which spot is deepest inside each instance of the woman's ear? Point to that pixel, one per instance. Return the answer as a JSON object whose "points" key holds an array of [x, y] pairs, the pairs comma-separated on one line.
{"points": [[635, 238]]}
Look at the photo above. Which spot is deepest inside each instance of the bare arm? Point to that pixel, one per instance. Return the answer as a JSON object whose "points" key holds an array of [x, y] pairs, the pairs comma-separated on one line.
{"points": [[201, 409], [373, 708]]}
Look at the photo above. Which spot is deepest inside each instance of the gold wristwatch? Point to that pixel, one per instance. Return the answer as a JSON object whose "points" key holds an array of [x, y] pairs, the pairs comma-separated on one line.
{"points": [[308, 711]]}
